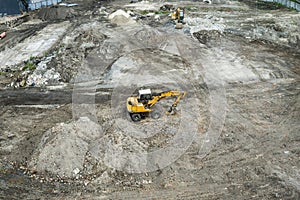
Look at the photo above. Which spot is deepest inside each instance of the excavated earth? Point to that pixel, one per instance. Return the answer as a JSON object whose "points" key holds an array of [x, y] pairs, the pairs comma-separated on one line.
{"points": [[66, 72]]}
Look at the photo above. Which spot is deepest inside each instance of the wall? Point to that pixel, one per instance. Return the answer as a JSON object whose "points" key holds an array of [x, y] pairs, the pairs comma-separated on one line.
{"points": [[36, 4], [9, 7], [287, 3]]}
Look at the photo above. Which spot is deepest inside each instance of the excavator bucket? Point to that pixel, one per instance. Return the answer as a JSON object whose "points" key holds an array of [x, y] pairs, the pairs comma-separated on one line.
{"points": [[171, 111]]}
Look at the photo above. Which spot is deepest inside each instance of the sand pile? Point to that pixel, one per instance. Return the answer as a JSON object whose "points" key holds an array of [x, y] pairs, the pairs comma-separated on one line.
{"points": [[120, 17]]}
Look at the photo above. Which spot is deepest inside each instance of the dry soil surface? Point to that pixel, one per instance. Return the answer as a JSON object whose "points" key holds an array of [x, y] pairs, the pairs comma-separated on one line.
{"points": [[66, 73]]}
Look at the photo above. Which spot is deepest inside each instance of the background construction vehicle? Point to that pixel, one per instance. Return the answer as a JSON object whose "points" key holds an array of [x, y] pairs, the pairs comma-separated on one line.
{"points": [[179, 16], [140, 106]]}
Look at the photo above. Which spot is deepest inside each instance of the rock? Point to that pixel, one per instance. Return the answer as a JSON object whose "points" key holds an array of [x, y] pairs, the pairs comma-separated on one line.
{"points": [[22, 83], [167, 7], [179, 26], [11, 135], [76, 171], [104, 178]]}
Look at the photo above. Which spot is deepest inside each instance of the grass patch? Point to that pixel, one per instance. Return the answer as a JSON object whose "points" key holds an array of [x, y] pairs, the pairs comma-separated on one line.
{"points": [[162, 12], [30, 64], [145, 12]]}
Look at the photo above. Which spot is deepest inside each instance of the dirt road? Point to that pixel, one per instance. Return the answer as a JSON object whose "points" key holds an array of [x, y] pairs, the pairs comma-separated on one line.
{"points": [[65, 132]]}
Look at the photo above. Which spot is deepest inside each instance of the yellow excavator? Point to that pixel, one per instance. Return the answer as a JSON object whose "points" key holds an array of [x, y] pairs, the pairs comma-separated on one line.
{"points": [[140, 106], [178, 15]]}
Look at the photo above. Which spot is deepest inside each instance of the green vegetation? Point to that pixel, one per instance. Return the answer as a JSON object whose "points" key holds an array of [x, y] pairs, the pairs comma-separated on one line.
{"points": [[145, 12], [159, 12], [190, 7], [30, 64], [162, 12]]}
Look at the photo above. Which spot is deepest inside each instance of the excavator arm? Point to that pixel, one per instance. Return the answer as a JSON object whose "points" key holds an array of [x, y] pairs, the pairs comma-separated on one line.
{"points": [[179, 97], [157, 97]]}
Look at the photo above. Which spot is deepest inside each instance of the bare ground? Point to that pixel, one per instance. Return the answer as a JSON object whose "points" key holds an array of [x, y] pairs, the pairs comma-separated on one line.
{"points": [[240, 68]]}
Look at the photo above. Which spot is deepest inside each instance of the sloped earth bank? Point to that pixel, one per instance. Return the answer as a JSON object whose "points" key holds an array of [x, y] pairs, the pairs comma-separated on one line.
{"points": [[235, 134]]}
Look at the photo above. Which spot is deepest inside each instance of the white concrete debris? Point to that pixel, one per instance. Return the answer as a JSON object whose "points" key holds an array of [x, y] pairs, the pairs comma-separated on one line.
{"points": [[76, 171], [208, 23], [42, 75]]}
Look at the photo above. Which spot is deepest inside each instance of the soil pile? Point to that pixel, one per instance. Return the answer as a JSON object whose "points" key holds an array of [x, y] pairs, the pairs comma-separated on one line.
{"points": [[54, 13], [63, 148], [120, 17]]}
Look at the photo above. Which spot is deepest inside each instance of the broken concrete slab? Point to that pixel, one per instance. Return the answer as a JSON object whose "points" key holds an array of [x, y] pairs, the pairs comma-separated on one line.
{"points": [[33, 46]]}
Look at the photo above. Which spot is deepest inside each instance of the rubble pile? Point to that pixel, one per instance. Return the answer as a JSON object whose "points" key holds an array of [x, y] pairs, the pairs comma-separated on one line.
{"points": [[42, 75], [209, 22]]}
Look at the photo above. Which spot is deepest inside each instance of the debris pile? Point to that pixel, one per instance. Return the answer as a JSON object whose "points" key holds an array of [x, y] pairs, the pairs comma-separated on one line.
{"points": [[42, 75], [210, 22], [204, 36]]}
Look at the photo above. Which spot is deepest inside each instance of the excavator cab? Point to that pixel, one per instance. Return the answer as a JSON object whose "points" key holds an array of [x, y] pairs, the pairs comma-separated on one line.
{"points": [[144, 95]]}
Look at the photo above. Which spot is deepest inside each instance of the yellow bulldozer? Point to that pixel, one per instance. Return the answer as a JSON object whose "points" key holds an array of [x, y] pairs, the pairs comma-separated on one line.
{"points": [[140, 106]]}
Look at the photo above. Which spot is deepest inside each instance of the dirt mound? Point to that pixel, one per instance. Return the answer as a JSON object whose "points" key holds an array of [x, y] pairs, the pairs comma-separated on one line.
{"points": [[54, 13], [63, 148], [120, 17]]}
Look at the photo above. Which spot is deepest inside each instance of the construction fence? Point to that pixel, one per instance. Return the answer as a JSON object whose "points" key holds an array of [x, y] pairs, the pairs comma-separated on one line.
{"points": [[43, 3], [287, 3]]}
